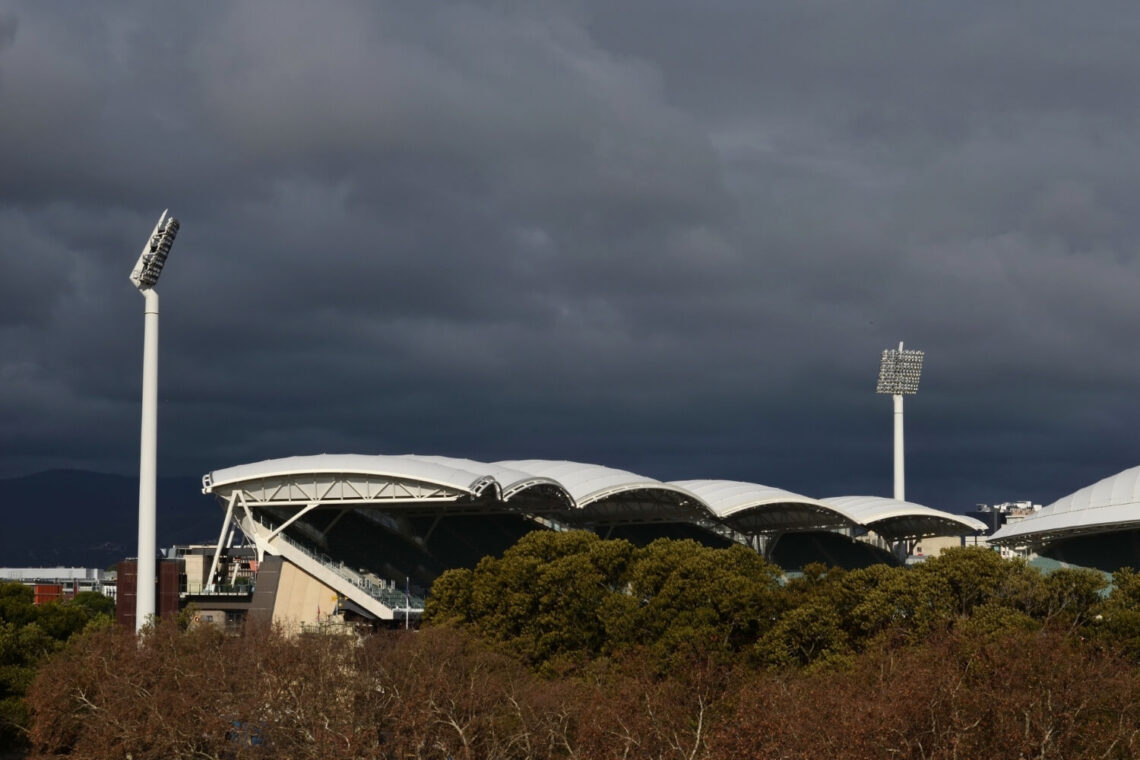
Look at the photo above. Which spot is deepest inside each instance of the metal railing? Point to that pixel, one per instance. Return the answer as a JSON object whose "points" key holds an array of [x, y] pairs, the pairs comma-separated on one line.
{"points": [[219, 589], [396, 600]]}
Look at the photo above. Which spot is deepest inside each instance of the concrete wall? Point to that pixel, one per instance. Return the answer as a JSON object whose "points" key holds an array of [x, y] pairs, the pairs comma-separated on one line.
{"points": [[935, 545], [197, 565], [301, 598]]}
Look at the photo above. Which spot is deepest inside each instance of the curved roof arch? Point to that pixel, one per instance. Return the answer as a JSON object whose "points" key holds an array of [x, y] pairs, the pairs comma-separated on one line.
{"points": [[1112, 503], [894, 519], [512, 482], [355, 477], [754, 507], [586, 483], [605, 492]]}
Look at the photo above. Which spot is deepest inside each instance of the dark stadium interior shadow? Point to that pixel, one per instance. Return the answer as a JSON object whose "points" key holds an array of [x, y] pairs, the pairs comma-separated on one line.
{"points": [[794, 550], [1103, 551]]}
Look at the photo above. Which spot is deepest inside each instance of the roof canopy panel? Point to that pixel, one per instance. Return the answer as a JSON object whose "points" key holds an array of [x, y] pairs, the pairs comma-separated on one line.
{"points": [[607, 494], [755, 507], [655, 504], [893, 519], [1112, 503], [512, 482], [584, 482], [592, 493], [327, 467]]}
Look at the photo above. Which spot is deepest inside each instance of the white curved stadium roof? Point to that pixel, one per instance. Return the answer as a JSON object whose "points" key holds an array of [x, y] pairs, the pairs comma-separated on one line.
{"points": [[511, 481], [894, 519], [588, 483], [751, 505], [581, 492], [1109, 504], [401, 466]]}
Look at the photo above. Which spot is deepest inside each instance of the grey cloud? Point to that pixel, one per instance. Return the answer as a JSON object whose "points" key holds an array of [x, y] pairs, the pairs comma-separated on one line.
{"points": [[662, 236]]}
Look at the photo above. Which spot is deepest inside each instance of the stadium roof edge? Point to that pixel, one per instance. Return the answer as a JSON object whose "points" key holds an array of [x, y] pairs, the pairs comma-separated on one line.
{"points": [[608, 493], [393, 466], [1109, 504], [900, 519]]}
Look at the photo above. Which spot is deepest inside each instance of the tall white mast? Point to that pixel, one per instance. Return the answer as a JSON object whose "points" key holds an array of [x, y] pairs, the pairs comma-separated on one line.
{"points": [[144, 277], [899, 374]]}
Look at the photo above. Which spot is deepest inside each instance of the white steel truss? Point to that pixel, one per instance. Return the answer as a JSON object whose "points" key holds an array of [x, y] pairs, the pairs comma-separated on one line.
{"points": [[335, 488]]}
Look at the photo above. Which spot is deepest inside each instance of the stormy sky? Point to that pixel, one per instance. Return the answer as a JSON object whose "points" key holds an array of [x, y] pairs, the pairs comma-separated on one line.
{"points": [[669, 237]]}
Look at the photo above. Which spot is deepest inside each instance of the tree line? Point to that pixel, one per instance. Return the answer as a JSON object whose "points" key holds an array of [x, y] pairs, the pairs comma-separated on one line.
{"points": [[571, 646], [560, 599], [29, 633]]}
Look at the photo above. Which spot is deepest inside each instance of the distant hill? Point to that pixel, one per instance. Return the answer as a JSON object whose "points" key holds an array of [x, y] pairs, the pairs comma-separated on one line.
{"points": [[90, 519]]}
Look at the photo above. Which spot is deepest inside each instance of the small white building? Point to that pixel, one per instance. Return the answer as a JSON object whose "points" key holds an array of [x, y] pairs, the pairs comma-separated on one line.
{"points": [[72, 579]]}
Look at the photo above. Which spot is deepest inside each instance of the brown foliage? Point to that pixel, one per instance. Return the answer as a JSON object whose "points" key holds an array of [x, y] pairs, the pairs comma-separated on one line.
{"points": [[433, 694], [441, 693], [1026, 695], [196, 694]]}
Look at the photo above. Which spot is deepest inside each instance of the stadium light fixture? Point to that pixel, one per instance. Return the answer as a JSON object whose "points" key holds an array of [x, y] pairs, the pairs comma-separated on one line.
{"points": [[144, 277], [899, 373]]}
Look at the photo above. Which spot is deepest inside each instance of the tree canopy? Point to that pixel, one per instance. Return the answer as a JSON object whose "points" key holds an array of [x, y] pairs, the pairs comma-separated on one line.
{"points": [[28, 634], [569, 645], [556, 599]]}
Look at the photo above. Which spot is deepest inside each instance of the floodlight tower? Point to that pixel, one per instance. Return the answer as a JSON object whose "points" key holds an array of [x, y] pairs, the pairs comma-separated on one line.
{"points": [[145, 277], [899, 373]]}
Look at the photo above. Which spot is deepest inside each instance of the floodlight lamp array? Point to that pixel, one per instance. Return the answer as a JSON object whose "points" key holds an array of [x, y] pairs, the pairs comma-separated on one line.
{"points": [[900, 371], [154, 253]]}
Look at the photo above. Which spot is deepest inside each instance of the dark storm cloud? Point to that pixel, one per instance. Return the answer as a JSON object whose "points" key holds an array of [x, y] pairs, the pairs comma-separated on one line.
{"points": [[670, 237]]}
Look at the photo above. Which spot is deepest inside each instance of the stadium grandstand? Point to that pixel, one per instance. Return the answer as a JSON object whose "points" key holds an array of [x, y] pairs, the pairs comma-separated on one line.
{"points": [[1097, 526], [363, 535]]}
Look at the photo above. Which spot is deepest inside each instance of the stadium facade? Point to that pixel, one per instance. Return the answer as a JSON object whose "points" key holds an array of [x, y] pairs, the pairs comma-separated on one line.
{"points": [[1097, 526], [362, 536]]}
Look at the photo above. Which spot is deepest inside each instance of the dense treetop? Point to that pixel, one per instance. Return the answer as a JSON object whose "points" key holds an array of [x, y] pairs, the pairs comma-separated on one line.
{"points": [[555, 599], [28, 634], [570, 646]]}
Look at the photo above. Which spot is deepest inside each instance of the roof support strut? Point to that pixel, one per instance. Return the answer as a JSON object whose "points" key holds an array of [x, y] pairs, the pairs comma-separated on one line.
{"points": [[221, 538], [300, 513]]}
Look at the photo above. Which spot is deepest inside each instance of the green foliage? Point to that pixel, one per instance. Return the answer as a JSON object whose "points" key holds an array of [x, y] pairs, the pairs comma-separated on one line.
{"points": [[95, 603], [541, 598], [28, 635], [1072, 595], [909, 603], [558, 599], [806, 634], [682, 598], [22, 647], [16, 603], [1117, 618], [1125, 588], [567, 597], [994, 620], [60, 620], [450, 599], [975, 576]]}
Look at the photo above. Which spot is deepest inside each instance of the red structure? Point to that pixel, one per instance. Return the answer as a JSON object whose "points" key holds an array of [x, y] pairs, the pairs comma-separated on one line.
{"points": [[166, 592]]}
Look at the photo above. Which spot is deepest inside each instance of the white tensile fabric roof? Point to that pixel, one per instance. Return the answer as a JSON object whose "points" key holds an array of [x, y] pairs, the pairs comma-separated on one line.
{"points": [[727, 497], [751, 506], [894, 518], [758, 506], [401, 466], [510, 480], [1111, 503], [588, 483]]}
